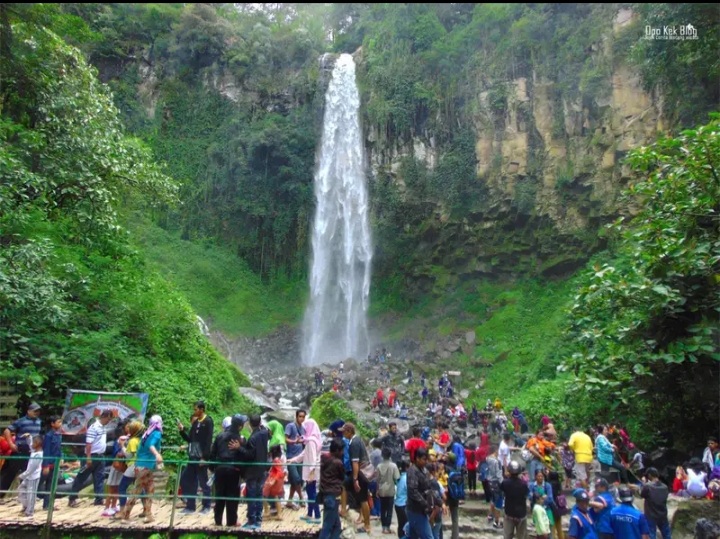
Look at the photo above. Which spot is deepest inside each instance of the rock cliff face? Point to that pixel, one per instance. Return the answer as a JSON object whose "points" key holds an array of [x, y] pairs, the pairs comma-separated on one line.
{"points": [[552, 168]]}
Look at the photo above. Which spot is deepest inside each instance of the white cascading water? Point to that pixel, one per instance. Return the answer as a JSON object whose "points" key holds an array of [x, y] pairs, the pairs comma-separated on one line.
{"points": [[335, 326]]}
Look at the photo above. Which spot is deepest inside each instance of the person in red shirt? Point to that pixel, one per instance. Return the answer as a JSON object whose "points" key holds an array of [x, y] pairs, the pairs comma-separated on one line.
{"points": [[391, 398], [442, 440], [414, 443], [380, 397], [472, 464]]}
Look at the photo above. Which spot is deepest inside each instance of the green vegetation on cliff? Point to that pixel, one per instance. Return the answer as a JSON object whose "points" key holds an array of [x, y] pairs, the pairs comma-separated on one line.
{"points": [[78, 306]]}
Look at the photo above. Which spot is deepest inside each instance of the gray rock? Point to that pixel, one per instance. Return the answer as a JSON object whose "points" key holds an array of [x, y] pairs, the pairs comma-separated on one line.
{"points": [[357, 406], [283, 416], [265, 403], [470, 337], [464, 394]]}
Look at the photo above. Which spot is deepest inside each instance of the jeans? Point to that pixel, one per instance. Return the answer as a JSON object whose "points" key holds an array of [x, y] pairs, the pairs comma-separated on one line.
{"points": [[311, 491], [45, 485], [386, 510], [372, 488], [254, 490], [419, 526], [535, 466], [193, 474], [472, 480], [97, 469], [125, 483], [454, 516], [437, 529], [401, 515], [331, 527], [664, 528]]}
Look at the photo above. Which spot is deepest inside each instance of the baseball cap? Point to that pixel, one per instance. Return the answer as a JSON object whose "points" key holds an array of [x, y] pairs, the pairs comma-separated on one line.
{"points": [[582, 496], [600, 482], [34, 407], [514, 467], [625, 495]]}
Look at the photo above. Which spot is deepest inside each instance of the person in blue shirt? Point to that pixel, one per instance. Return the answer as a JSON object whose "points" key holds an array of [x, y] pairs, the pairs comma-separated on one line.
{"points": [[626, 521], [401, 498], [581, 523], [459, 451], [600, 507], [52, 453]]}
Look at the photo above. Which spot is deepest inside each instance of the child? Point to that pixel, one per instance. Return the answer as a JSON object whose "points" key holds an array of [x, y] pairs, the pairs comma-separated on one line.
{"points": [[51, 458], [439, 499], [31, 477], [540, 516], [274, 484], [568, 462], [116, 471], [388, 474]]}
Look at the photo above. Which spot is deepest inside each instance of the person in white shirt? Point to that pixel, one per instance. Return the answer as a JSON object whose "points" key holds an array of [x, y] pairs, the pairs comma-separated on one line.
{"points": [[696, 484], [30, 478], [504, 451], [95, 445]]}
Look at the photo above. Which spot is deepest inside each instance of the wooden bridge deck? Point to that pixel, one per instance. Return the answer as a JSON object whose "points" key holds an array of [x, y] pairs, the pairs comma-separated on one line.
{"points": [[86, 518]]}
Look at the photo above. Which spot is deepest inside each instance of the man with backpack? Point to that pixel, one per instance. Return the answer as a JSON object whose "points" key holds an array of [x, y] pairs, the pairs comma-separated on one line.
{"points": [[455, 493]]}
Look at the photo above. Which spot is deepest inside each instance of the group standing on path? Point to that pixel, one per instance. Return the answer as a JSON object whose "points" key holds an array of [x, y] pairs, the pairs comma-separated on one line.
{"points": [[416, 480]]}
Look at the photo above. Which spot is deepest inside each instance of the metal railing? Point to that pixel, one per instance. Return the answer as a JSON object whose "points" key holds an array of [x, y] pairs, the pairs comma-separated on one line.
{"points": [[181, 465]]}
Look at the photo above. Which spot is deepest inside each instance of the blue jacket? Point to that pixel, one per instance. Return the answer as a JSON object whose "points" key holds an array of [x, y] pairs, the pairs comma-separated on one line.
{"points": [[51, 448], [459, 452], [602, 516], [581, 525], [628, 523], [604, 450], [548, 493]]}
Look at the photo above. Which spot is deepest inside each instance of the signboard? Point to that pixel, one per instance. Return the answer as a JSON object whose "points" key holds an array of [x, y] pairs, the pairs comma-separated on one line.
{"points": [[81, 407], [453, 373]]}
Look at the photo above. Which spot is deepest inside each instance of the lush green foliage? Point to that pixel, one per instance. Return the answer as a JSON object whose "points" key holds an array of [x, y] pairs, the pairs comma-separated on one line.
{"points": [[329, 407], [221, 287], [646, 323], [78, 307], [685, 71]]}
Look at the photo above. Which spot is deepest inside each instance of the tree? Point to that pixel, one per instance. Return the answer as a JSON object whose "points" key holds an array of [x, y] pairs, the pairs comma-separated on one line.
{"points": [[647, 323]]}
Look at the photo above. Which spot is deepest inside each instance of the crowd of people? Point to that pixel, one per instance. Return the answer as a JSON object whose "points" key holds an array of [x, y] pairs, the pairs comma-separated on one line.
{"points": [[416, 480]]}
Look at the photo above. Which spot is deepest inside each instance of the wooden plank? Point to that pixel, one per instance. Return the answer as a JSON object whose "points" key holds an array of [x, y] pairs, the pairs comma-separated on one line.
{"points": [[87, 518]]}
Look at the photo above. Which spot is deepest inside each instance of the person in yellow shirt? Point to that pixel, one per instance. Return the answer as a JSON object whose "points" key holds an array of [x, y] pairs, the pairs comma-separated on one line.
{"points": [[129, 449], [582, 446], [498, 404]]}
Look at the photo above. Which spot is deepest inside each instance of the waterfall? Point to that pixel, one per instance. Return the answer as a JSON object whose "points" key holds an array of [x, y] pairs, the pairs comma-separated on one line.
{"points": [[335, 325]]}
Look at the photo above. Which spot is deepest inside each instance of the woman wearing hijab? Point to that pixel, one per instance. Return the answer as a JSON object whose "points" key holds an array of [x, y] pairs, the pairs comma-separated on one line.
{"points": [[148, 458], [310, 457], [277, 435], [227, 472], [226, 423]]}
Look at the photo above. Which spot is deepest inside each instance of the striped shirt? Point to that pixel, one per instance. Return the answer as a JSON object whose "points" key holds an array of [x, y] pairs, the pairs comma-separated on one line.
{"points": [[97, 436], [25, 425]]}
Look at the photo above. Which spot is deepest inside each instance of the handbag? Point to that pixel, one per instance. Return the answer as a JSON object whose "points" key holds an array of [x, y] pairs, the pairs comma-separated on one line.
{"points": [[369, 471], [195, 451]]}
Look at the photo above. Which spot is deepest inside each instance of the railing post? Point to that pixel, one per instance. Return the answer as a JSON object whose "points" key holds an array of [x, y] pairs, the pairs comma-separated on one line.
{"points": [[174, 497], [51, 503]]}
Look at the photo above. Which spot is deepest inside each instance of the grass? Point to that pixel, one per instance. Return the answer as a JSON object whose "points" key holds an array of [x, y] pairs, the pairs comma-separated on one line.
{"points": [[220, 286], [519, 331]]}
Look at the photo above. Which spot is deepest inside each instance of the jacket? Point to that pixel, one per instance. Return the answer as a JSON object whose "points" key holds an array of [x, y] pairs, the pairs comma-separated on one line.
{"points": [[396, 444], [418, 487], [201, 432], [255, 450], [221, 452]]}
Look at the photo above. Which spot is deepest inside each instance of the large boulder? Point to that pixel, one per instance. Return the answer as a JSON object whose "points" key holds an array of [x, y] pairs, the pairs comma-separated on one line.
{"points": [[283, 416], [688, 513], [265, 403]]}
